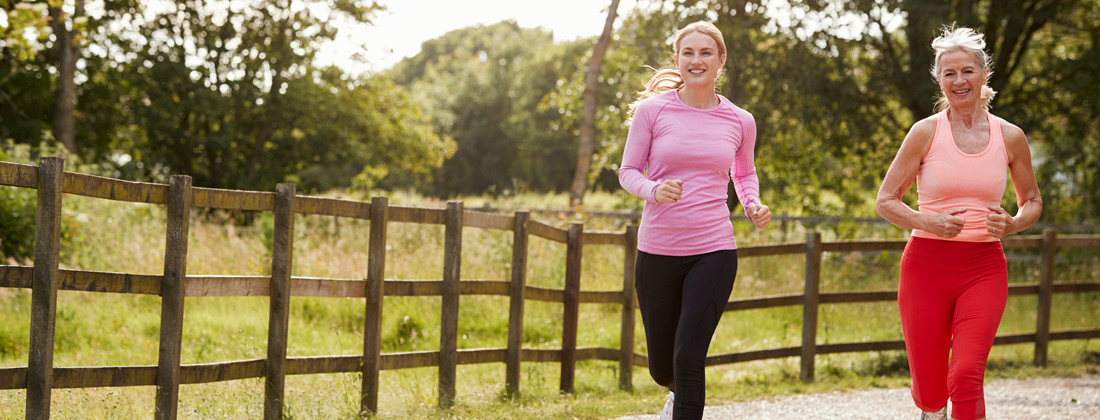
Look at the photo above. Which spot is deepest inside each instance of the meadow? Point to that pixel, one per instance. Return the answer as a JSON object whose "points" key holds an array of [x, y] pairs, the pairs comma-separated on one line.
{"points": [[114, 330]]}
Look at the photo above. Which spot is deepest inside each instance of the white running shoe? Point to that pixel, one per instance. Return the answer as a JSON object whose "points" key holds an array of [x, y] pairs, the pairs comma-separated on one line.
{"points": [[666, 412], [940, 414]]}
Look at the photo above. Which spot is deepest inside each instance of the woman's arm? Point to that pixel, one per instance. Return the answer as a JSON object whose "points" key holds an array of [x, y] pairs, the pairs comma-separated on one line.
{"points": [[632, 175], [1023, 178], [743, 171], [743, 174], [900, 176]]}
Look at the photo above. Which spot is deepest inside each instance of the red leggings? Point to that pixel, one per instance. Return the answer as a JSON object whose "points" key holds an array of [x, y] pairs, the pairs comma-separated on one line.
{"points": [[951, 297]]}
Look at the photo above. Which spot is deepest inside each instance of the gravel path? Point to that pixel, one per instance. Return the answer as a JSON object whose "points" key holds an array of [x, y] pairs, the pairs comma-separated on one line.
{"points": [[1006, 399]]}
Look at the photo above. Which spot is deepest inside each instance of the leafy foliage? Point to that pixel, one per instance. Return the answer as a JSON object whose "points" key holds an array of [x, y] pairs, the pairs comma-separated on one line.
{"points": [[17, 225], [230, 95], [18, 206], [481, 86]]}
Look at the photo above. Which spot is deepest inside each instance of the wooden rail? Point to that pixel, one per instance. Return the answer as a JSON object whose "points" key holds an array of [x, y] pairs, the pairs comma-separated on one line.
{"points": [[39, 377], [783, 219]]}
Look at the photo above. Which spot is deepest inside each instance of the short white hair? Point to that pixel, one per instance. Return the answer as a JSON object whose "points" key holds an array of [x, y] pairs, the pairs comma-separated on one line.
{"points": [[954, 38]]}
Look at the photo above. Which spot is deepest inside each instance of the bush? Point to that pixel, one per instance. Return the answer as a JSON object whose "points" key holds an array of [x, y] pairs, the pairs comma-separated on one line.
{"points": [[17, 207]]}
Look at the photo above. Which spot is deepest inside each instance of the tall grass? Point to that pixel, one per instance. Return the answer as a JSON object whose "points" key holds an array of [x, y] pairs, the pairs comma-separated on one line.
{"points": [[110, 329]]}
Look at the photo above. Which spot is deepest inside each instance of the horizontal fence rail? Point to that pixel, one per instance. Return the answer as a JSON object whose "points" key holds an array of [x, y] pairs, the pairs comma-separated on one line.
{"points": [[45, 278], [782, 218]]}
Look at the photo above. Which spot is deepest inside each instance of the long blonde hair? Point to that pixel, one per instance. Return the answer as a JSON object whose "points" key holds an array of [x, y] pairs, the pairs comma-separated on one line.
{"points": [[966, 39], [668, 78]]}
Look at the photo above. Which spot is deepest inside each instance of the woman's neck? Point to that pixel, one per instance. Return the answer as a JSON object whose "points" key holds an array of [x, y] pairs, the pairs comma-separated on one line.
{"points": [[966, 116], [698, 98]]}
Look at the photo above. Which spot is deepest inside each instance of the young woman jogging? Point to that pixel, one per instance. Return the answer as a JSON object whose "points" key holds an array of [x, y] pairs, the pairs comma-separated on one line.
{"points": [[685, 145]]}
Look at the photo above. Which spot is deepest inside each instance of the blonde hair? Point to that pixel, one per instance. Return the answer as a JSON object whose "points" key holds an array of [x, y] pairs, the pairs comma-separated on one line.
{"points": [[966, 39], [668, 78]]}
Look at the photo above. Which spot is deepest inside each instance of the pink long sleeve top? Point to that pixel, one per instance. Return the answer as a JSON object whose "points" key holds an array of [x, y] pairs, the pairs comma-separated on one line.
{"points": [[705, 148]]}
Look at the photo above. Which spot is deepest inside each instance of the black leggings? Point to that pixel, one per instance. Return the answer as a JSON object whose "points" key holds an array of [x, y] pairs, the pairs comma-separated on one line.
{"points": [[682, 299]]}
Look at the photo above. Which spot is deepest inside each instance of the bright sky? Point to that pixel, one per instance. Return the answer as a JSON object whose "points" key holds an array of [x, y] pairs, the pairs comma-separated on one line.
{"points": [[398, 32]]}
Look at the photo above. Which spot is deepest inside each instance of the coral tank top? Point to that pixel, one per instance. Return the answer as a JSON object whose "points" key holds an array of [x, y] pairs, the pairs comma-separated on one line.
{"points": [[950, 178]]}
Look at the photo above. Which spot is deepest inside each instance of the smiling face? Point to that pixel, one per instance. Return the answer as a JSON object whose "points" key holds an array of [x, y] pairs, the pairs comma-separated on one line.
{"points": [[961, 78], [699, 60]]}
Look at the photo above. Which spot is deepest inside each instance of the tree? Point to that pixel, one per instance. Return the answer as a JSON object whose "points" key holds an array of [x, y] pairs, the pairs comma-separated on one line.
{"points": [[850, 85], [640, 41], [482, 86], [25, 85], [1033, 44], [367, 130], [67, 31], [213, 91], [231, 96], [588, 120], [1057, 102], [222, 91], [64, 46]]}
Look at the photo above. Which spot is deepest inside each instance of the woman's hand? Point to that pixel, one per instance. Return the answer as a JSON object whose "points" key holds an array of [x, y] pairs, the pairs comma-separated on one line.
{"points": [[759, 215], [669, 191], [946, 224], [999, 223]]}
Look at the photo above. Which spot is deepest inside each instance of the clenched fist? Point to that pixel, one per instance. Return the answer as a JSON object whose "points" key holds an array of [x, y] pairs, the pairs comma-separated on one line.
{"points": [[759, 214], [669, 191]]}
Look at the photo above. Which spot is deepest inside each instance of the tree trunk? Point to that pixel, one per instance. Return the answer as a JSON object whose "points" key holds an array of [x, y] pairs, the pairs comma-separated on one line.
{"points": [[272, 101], [65, 96], [263, 134], [915, 83], [588, 120], [1010, 29]]}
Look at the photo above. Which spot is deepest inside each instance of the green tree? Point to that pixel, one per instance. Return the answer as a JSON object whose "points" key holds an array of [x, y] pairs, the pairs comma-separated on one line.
{"points": [[26, 84], [546, 145], [640, 41], [1057, 101], [47, 34], [229, 94], [223, 91], [1034, 43], [848, 86], [25, 29], [25, 90], [479, 85]]}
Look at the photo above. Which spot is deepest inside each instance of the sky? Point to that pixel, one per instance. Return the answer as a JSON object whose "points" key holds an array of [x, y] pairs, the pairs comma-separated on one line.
{"points": [[397, 32]]}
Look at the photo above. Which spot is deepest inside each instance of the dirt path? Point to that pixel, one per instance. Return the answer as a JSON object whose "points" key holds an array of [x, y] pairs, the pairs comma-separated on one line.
{"points": [[1006, 399]]}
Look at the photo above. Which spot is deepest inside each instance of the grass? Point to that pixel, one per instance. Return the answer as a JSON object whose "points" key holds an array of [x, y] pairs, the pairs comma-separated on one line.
{"points": [[111, 330]]}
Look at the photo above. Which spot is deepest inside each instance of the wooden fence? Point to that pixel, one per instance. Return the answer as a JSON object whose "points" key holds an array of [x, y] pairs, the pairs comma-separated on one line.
{"points": [[174, 286], [784, 220]]}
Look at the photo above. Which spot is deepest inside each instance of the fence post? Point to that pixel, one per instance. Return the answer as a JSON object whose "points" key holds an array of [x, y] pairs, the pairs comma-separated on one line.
{"points": [[783, 224], [372, 328], [172, 291], [571, 313], [809, 304], [47, 245], [516, 303], [626, 340], [282, 258], [1046, 288], [448, 337]]}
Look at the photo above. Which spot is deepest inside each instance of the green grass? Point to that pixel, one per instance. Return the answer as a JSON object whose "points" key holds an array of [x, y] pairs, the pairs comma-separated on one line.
{"points": [[113, 330]]}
